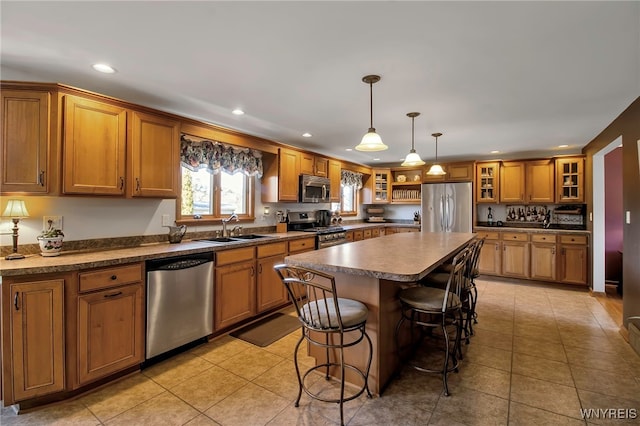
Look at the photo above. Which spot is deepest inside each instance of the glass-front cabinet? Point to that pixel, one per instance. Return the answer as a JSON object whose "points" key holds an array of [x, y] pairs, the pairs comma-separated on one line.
{"points": [[570, 180], [381, 185], [487, 180]]}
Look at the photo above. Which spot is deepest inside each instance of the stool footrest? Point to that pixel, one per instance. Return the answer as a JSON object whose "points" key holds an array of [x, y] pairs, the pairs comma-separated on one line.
{"points": [[359, 391]]}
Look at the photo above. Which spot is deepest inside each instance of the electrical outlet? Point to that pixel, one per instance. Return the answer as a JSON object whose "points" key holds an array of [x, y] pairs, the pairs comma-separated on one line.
{"points": [[56, 222], [166, 220]]}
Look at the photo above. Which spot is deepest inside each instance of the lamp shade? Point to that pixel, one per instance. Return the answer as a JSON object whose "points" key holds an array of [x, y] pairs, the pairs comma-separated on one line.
{"points": [[15, 208], [371, 142], [436, 170], [412, 159]]}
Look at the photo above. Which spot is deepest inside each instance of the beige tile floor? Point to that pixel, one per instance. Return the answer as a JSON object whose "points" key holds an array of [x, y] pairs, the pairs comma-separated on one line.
{"points": [[539, 355]]}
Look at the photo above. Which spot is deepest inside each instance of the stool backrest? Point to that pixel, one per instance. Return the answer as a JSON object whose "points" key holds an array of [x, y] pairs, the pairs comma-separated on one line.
{"points": [[475, 257], [313, 294], [457, 278]]}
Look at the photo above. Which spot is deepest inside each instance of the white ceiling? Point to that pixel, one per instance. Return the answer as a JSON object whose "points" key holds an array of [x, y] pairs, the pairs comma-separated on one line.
{"points": [[518, 77]]}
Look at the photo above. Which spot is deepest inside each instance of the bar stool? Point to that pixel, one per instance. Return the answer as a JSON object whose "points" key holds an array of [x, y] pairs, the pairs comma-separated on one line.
{"points": [[325, 320], [469, 292], [431, 308]]}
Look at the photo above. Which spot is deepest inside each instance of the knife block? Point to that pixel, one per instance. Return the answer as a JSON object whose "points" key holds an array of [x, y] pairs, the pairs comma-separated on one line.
{"points": [[281, 227]]}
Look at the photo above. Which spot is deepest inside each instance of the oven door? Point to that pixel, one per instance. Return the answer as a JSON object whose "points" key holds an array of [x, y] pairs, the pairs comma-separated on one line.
{"points": [[329, 240]]}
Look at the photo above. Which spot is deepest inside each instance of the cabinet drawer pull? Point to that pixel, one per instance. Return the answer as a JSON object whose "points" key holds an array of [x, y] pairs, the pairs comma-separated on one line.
{"points": [[114, 277], [41, 178], [15, 301], [260, 268], [112, 295], [121, 183], [253, 271]]}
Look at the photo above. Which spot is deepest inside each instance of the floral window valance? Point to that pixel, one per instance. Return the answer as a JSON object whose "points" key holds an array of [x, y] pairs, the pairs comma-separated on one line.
{"points": [[349, 178], [216, 156]]}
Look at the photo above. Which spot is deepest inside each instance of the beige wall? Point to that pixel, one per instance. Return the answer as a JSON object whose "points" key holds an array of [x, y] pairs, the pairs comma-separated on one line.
{"points": [[627, 126]]}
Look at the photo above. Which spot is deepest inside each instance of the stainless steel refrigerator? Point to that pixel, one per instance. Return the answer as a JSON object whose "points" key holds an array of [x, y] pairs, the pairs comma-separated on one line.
{"points": [[447, 207]]}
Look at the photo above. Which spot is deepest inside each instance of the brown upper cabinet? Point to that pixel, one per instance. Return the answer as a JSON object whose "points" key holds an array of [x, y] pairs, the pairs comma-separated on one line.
{"points": [[455, 172], [335, 179], [154, 156], [512, 178], [280, 177], [25, 141], [487, 182], [378, 188], [94, 146], [570, 180], [527, 181], [313, 165], [540, 181]]}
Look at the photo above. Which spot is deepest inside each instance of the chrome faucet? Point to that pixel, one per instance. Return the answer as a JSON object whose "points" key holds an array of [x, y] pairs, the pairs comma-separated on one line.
{"points": [[227, 220], [237, 230]]}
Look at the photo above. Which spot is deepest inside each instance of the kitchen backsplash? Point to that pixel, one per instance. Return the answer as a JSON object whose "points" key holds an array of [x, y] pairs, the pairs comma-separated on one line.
{"points": [[560, 214]]}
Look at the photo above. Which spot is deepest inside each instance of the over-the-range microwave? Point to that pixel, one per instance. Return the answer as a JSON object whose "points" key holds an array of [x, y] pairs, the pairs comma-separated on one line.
{"points": [[314, 189]]}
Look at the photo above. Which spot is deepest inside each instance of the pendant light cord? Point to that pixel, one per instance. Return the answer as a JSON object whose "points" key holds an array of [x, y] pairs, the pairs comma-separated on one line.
{"points": [[371, 105], [412, 133]]}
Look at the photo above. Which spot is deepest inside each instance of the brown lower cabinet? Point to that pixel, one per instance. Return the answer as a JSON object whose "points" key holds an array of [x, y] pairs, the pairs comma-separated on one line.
{"points": [[573, 263], [547, 257], [271, 292], [235, 287], [110, 331], [34, 363]]}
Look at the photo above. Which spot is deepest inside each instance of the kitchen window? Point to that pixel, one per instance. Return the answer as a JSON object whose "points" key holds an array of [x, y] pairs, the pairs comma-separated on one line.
{"points": [[217, 180], [350, 184]]}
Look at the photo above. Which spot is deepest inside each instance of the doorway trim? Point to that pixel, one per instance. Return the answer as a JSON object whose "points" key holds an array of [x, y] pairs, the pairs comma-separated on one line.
{"points": [[598, 233]]}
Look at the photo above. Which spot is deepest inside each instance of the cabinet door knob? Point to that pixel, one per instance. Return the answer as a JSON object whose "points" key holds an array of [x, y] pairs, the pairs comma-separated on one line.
{"points": [[41, 178], [114, 277]]}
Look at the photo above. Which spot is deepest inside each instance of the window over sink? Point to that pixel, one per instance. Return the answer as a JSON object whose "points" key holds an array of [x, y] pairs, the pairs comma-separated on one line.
{"points": [[217, 180]]}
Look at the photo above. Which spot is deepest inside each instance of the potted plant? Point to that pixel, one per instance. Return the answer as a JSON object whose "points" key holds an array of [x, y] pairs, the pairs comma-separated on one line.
{"points": [[50, 241]]}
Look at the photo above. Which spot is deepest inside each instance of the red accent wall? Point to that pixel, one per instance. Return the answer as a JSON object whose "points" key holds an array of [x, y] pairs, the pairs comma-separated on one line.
{"points": [[613, 213]]}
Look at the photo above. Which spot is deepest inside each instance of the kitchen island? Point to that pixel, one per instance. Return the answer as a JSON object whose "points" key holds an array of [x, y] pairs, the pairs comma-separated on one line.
{"points": [[373, 272]]}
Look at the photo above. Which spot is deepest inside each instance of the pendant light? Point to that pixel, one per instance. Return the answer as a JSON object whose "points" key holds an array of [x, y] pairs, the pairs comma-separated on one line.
{"points": [[436, 169], [412, 159], [371, 141]]}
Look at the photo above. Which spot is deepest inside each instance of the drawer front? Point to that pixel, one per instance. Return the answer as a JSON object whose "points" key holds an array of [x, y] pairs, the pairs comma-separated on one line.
{"points": [[302, 245], [543, 238], [488, 235], [366, 233], [110, 277], [272, 249], [515, 236], [236, 255], [573, 239]]}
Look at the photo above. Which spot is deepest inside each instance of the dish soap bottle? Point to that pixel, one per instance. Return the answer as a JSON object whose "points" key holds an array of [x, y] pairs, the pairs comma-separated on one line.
{"points": [[490, 218]]}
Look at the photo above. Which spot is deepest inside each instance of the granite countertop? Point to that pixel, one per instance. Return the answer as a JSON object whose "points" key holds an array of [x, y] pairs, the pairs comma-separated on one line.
{"points": [[403, 257], [86, 259], [379, 224]]}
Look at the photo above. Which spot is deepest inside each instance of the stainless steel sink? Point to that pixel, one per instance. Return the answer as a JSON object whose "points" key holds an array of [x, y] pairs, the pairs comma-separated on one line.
{"points": [[219, 240], [249, 237]]}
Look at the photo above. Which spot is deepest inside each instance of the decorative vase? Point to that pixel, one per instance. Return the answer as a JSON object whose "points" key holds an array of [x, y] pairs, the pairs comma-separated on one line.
{"points": [[50, 246]]}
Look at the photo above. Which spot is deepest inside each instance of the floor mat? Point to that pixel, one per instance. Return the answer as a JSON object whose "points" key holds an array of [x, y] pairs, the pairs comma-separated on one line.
{"points": [[267, 330]]}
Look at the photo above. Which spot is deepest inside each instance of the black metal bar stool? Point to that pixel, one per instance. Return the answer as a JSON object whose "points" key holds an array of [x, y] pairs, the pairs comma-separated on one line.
{"points": [[469, 291], [325, 319], [431, 308]]}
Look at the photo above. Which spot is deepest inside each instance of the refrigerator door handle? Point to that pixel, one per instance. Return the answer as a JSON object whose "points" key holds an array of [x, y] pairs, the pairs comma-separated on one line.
{"points": [[449, 213], [442, 213]]}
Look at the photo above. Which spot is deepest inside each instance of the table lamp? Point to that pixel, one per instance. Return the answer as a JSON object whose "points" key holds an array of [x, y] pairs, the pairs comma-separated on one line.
{"points": [[16, 210]]}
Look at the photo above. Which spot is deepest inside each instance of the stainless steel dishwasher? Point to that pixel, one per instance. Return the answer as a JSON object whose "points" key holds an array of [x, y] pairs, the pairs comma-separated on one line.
{"points": [[179, 301]]}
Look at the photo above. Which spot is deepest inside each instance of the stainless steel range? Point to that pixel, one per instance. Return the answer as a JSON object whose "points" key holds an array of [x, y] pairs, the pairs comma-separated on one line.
{"points": [[318, 223]]}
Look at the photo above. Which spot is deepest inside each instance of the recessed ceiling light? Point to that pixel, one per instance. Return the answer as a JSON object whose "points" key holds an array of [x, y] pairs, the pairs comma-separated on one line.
{"points": [[495, 152], [349, 149], [104, 68], [306, 135], [376, 159], [238, 111], [563, 146]]}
